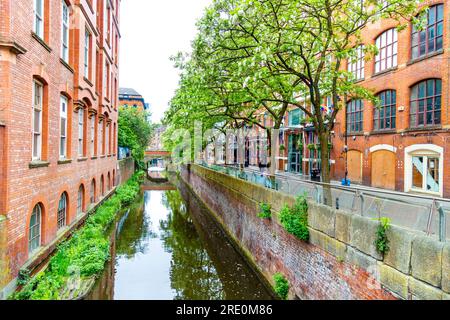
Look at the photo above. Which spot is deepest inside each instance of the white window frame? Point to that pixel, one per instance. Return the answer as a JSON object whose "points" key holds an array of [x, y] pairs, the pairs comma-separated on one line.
{"points": [[357, 66], [38, 25], [65, 31], [387, 44], [87, 53], [423, 150], [64, 102], [37, 210], [37, 106], [81, 132]]}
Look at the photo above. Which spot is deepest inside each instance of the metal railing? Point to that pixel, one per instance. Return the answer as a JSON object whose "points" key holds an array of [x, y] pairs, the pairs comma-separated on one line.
{"points": [[430, 215]]}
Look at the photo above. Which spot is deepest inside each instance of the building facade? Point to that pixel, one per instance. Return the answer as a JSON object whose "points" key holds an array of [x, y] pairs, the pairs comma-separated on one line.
{"points": [[59, 66], [131, 98], [402, 144]]}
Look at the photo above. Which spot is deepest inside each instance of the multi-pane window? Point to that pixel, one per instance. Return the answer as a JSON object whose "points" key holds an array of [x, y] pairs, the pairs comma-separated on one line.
{"points": [[355, 116], [92, 192], [356, 64], [38, 91], [39, 18], [87, 53], [430, 38], [80, 200], [426, 101], [62, 211], [295, 117], [65, 32], [384, 117], [387, 44], [34, 232], [63, 129], [81, 132], [93, 136]]}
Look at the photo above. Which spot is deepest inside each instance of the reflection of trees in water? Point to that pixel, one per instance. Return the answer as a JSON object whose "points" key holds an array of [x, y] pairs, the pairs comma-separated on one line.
{"points": [[136, 231], [192, 273]]}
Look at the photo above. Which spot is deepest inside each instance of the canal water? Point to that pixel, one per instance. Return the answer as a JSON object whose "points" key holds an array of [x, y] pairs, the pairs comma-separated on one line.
{"points": [[168, 246]]}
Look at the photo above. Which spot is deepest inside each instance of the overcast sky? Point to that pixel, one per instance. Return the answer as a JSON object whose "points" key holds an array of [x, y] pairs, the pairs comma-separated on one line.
{"points": [[152, 31]]}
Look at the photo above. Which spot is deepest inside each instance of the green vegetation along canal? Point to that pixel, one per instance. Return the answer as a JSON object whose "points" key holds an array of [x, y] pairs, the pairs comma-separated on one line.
{"points": [[170, 247]]}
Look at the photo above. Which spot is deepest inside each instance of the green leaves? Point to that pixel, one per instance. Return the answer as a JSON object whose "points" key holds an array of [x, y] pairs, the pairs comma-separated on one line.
{"points": [[281, 286], [295, 219], [382, 241]]}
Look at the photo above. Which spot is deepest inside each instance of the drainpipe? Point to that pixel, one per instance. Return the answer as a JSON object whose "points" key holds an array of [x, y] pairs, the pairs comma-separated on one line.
{"points": [[4, 268], [346, 140]]}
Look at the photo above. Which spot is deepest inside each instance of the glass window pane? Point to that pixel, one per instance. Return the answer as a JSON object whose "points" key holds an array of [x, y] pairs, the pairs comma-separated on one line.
{"points": [[418, 170], [433, 175]]}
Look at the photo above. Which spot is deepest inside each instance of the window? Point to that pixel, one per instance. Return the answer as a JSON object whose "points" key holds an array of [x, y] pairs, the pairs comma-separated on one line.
{"points": [[429, 39], [387, 44], [101, 145], [384, 117], [107, 133], [34, 232], [87, 54], [39, 18], [80, 200], [102, 186], [62, 211], [425, 109], [294, 117], [92, 192], [108, 181], [93, 136], [65, 32], [38, 91], [425, 173], [63, 129], [81, 132], [355, 116], [356, 64]]}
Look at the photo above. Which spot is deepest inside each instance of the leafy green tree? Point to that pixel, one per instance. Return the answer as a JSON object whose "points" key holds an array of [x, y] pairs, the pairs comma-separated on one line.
{"points": [[134, 131]]}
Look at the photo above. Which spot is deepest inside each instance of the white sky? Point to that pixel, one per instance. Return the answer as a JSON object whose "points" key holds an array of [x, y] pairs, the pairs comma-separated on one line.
{"points": [[152, 31]]}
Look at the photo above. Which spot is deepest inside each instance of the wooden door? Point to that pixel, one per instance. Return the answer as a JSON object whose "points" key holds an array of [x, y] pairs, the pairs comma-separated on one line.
{"points": [[383, 169], [354, 160]]}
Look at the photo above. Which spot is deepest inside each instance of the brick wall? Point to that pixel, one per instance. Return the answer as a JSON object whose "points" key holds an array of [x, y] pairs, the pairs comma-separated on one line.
{"points": [[340, 261], [126, 169]]}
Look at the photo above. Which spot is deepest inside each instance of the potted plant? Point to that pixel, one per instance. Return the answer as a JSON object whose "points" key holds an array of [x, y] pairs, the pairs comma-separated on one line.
{"points": [[282, 149], [311, 146]]}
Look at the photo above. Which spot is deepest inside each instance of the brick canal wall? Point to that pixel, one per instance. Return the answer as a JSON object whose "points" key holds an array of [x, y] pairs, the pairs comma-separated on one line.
{"points": [[126, 169], [340, 261]]}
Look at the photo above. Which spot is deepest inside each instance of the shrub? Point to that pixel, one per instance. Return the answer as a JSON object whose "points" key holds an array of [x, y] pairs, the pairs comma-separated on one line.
{"points": [[86, 251], [295, 219], [281, 286], [382, 242], [265, 211]]}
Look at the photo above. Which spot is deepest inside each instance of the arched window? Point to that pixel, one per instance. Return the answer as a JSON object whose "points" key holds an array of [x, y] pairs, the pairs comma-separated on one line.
{"points": [[62, 211], [102, 186], [80, 200], [430, 39], [34, 232], [92, 192], [108, 181], [114, 178], [387, 44], [355, 116], [384, 117], [426, 101]]}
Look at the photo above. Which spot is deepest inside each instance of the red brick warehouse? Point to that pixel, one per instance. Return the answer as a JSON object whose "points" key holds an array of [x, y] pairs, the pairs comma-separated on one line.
{"points": [[58, 121], [404, 144]]}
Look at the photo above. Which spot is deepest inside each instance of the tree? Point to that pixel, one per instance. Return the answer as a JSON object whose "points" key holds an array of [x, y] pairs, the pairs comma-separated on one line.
{"points": [[254, 55], [134, 131]]}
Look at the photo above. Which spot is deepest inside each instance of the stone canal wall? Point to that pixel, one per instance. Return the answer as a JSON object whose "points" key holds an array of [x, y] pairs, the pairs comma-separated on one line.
{"points": [[340, 261]]}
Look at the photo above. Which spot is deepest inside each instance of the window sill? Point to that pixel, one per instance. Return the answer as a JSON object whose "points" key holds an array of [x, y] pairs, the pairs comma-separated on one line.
{"points": [[38, 164], [356, 134], [428, 56], [384, 72], [82, 159], [41, 41], [94, 158], [378, 132], [88, 81], [101, 157], [422, 129], [64, 161], [65, 64]]}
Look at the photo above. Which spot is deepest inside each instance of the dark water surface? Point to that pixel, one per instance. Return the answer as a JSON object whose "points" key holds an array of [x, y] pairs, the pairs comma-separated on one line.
{"points": [[169, 247]]}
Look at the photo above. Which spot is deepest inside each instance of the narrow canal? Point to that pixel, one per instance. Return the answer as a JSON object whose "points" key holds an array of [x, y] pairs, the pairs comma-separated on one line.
{"points": [[169, 247]]}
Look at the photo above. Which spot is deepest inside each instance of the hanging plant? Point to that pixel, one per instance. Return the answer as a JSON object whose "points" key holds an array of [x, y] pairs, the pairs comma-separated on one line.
{"points": [[311, 146], [282, 147]]}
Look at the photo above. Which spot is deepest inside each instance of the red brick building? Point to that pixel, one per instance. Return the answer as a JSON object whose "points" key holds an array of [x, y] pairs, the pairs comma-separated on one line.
{"points": [[58, 120], [402, 145]]}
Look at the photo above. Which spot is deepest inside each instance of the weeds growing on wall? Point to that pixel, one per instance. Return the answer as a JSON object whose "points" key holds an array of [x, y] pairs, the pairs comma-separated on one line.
{"points": [[84, 255], [382, 241], [281, 286], [265, 211], [295, 219]]}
